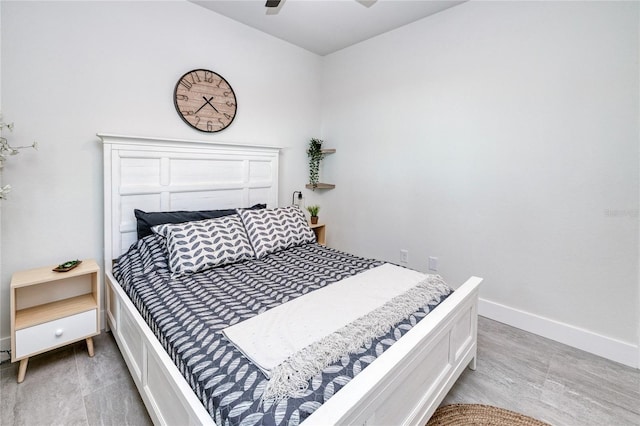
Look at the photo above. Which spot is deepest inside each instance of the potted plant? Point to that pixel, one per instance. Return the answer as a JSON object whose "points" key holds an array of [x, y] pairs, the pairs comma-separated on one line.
{"points": [[313, 210], [314, 152]]}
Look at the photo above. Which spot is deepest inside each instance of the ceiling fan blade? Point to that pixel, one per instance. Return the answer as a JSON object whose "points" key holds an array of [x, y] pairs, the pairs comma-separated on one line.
{"points": [[272, 3]]}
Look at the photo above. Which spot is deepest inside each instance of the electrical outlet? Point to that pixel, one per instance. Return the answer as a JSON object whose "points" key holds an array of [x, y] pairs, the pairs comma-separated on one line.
{"points": [[433, 263], [404, 256]]}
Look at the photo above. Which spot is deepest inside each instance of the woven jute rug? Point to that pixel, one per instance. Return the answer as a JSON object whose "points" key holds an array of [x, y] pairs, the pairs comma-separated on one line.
{"points": [[479, 415]]}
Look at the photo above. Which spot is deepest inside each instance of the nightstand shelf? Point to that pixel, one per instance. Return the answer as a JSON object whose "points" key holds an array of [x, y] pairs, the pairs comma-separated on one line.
{"points": [[52, 309]]}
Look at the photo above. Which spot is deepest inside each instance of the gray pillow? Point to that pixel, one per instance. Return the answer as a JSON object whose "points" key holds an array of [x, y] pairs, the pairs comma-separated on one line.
{"points": [[203, 244], [271, 230]]}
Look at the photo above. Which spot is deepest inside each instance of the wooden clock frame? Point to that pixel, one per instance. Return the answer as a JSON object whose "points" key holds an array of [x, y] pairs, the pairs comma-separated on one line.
{"points": [[205, 100]]}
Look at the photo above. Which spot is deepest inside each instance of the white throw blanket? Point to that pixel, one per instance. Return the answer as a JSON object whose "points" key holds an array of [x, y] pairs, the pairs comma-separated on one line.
{"points": [[294, 341]]}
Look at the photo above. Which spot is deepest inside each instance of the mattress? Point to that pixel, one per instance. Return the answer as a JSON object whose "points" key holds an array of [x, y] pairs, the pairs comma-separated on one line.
{"points": [[187, 313]]}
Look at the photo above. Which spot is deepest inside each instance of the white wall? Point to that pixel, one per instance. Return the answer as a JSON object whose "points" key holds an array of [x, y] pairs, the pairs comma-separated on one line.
{"points": [[72, 69], [2, 294], [501, 137]]}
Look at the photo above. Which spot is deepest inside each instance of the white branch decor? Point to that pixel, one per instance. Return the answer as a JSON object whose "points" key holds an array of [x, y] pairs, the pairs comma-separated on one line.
{"points": [[7, 150], [4, 191]]}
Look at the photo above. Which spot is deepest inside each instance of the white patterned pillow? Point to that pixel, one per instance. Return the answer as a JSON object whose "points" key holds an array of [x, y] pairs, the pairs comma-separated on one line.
{"points": [[271, 230], [203, 244]]}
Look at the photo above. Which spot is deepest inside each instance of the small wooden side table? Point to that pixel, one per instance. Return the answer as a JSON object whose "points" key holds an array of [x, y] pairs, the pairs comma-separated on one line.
{"points": [[51, 309], [320, 230]]}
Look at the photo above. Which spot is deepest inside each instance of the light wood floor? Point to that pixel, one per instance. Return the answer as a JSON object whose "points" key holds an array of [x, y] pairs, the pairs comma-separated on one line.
{"points": [[548, 380], [516, 370]]}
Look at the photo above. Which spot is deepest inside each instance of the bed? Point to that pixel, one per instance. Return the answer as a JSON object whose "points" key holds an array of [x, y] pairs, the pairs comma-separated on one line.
{"points": [[403, 385]]}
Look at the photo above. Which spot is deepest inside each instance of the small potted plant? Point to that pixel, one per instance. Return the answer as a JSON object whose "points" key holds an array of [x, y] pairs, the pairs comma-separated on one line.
{"points": [[313, 210]]}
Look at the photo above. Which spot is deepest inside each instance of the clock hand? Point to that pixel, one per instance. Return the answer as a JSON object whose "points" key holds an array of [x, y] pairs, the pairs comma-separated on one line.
{"points": [[207, 101], [200, 107]]}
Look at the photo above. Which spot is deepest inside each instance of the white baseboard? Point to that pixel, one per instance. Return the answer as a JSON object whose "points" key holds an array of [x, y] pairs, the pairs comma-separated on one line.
{"points": [[606, 347]]}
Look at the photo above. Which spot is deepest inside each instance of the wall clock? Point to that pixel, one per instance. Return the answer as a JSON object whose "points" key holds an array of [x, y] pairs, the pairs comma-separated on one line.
{"points": [[205, 100]]}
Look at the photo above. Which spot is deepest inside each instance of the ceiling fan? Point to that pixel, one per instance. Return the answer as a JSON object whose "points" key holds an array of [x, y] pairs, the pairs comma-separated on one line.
{"points": [[276, 3]]}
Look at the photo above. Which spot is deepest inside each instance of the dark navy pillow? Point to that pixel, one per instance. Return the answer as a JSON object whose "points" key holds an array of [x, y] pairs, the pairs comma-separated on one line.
{"points": [[145, 220]]}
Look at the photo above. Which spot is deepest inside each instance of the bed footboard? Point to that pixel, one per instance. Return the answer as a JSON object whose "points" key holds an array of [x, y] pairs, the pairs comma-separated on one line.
{"points": [[409, 380], [404, 385]]}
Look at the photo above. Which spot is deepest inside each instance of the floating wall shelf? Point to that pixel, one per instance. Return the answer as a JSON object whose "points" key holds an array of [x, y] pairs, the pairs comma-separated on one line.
{"points": [[323, 185], [320, 186]]}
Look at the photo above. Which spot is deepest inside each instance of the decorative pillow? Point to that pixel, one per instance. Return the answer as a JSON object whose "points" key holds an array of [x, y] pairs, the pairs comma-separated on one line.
{"points": [[145, 220], [271, 230], [204, 244]]}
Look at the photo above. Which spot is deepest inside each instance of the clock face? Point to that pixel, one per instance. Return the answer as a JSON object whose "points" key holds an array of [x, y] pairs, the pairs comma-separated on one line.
{"points": [[205, 101]]}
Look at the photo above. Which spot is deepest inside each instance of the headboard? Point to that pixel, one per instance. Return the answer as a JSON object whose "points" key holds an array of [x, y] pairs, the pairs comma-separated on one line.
{"points": [[157, 174]]}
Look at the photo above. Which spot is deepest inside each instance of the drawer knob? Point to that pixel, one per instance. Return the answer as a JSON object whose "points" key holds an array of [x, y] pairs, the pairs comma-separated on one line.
{"points": [[59, 332]]}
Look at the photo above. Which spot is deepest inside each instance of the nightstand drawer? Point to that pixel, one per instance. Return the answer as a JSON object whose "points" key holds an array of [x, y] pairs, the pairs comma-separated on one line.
{"points": [[56, 333]]}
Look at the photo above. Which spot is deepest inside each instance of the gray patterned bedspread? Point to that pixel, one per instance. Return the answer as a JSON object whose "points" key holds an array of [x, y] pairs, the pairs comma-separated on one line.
{"points": [[187, 312]]}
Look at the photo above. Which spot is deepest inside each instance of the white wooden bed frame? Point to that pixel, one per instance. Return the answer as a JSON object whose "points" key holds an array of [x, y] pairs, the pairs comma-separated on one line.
{"points": [[404, 385]]}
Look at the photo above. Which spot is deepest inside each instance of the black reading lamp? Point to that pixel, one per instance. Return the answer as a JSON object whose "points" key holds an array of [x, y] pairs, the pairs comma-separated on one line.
{"points": [[293, 197]]}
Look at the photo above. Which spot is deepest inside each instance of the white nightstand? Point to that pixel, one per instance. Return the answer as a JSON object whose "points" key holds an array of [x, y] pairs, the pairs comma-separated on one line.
{"points": [[52, 309]]}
